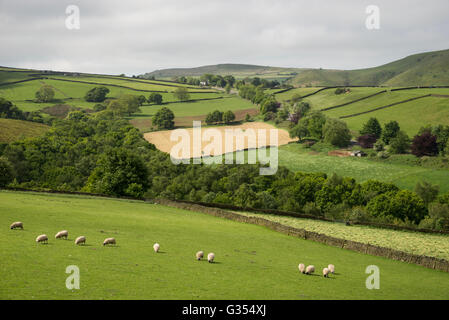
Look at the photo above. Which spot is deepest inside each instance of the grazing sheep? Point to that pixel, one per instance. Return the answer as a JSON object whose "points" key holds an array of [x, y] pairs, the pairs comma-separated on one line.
{"points": [[326, 272], [302, 268], [42, 238], [109, 241], [199, 255], [211, 257], [331, 268], [310, 269], [62, 234], [156, 247], [81, 239], [16, 225]]}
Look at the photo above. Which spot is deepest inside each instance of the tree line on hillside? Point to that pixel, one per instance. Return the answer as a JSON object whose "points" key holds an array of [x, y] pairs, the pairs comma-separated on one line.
{"points": [[103, 153]]}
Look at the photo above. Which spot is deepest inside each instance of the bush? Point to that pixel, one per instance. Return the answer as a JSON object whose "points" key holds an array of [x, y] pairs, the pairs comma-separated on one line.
{"points": [[340, 90], [269, 116], [357, 214], [228, 117], [379, 146], [425, 145], [366, 141], [427, 191], [400, 144]]}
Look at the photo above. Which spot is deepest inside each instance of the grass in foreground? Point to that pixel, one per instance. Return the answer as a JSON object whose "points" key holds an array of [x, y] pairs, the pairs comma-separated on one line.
{"points": [[252, 262]]}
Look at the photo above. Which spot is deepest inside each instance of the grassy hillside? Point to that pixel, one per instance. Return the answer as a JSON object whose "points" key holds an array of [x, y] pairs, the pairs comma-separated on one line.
{"points": [[237, 70], [252, 262], [12, 130], [426, 69]]}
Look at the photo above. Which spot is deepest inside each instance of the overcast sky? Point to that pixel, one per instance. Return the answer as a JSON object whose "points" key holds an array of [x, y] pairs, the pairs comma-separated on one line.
{"points": [[135, 37]]}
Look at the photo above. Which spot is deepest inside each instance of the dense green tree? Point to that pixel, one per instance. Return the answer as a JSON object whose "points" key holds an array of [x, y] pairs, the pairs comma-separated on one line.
{"points": [[336, 132], [97, 94], [141, 99], [155, 98], [45, 94], [427, 191], [390, 131], [372, 127], [182, 94], [164, 119], [6, 172], [10, 111], [119, 172], [228, 117], [400, 143]]}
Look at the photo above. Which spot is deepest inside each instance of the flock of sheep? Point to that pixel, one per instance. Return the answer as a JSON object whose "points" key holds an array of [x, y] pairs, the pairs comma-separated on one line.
{"points": [[199, 255], [311, 269], [82, 240]]}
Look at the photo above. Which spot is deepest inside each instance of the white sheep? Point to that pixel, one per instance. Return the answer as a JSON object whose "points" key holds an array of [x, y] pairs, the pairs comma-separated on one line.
{"points": [[109, 241], [302, 268], [80, 239], [156, 247], [331, 268], [199, 255], [326, 272], [310, 269], [42, 238], [16, 225], [211, 257], [62, 234]]}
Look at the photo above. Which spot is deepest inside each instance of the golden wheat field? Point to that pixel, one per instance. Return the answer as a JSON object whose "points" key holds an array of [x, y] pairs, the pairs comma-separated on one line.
{"points": [[217, 140]]}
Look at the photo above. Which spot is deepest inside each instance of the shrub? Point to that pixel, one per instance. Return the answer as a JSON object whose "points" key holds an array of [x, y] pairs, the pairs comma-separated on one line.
{"points": [[427, 191], [366, 141], [269, 116], [228, 117], [400, 144], [379, 146], [425, 145], [340, 90]]}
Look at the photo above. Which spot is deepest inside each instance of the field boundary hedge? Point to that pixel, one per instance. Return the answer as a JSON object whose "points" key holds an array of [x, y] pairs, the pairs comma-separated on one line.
{"points": [[421, 260], [354, 101], [384, 107]]}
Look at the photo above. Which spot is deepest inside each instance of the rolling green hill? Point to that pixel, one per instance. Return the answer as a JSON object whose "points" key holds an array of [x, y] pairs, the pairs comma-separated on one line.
{"points": [[252, 262], [424, 69], [237, 70]]}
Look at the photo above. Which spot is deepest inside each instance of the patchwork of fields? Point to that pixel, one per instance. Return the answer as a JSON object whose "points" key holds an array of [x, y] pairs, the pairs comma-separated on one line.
{"points": [[252, 262]]}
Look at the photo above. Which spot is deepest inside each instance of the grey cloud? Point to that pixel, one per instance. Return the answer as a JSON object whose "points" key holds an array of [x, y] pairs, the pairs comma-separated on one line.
{"points": [[139, 36]]}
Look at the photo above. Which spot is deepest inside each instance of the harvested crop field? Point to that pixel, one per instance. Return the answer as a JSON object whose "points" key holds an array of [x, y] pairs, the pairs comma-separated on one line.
{"points": [[433, 245], [247, 135]]}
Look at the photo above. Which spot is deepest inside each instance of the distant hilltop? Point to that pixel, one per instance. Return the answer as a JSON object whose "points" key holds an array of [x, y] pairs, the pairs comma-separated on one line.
{"points": [[424, 69]]}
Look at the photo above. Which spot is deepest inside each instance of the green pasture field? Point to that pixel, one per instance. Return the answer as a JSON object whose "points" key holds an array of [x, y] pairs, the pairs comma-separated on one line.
{"points": [[411, 116], [251, 262]]}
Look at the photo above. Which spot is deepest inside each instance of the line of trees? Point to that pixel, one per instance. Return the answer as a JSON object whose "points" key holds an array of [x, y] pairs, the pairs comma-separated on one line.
{"points": [[217, 116]]}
